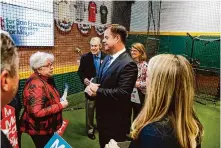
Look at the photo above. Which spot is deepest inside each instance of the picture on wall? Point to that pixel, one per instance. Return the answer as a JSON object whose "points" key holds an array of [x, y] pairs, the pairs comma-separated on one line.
{"points": [[32, 23]]}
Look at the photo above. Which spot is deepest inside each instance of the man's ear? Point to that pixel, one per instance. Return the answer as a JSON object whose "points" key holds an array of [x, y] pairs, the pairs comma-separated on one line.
{"points": [[117, 38], [5, 80]]}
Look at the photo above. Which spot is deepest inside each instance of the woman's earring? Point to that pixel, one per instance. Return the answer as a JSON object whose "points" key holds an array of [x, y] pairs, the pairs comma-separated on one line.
{"points": [[38, 72]]}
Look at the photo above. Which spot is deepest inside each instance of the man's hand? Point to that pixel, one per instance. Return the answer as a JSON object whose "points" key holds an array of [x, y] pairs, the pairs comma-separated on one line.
{"points": [[86, 81], [112, 144], [91, 89], [137, 84], [94, 87], [88, 91]]}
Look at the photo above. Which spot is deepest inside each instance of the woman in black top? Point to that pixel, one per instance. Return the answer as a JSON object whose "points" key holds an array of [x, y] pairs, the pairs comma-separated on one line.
{"points": [[167, 118]]}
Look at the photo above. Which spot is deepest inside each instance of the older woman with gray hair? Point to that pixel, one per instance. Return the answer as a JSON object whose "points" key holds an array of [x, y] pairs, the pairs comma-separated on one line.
{"points": [[43, 107]]}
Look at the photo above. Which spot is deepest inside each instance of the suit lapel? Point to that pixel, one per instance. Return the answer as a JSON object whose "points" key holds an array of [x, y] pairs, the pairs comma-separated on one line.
{"points": [[102, 67], [102, 55], [112, 66]]}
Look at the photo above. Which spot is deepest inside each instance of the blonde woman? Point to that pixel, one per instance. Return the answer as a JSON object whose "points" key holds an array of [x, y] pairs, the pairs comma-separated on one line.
{"points": [[138, 53], [167, 118]]}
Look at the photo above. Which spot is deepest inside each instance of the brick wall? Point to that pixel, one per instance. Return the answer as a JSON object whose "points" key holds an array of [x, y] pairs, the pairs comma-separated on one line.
{"points": [[63, 50]]}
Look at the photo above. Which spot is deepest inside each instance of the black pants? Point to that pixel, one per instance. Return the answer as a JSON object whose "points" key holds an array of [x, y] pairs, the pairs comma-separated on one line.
{"points": [[106, 136], [90, 110], [41, 140], [137, 107]]}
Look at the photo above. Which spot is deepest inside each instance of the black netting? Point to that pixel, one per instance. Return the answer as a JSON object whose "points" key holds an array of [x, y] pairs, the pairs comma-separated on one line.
{"points": [[204, 54], [65, 28]]}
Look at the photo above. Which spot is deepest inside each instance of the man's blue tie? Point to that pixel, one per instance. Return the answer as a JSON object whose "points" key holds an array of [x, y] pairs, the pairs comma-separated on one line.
{"points": [[107, 64]]}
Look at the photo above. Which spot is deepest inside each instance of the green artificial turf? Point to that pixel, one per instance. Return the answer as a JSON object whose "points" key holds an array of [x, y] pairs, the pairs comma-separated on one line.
{"points": [[75, 133], [209, 115], [76, 136]]}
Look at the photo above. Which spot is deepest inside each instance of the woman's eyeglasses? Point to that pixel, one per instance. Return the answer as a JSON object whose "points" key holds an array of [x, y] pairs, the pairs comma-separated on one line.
{"points": [[49, 65], [134, 49]]}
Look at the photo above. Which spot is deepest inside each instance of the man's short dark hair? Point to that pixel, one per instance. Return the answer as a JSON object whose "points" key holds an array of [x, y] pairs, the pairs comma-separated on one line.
{"points": [[117, 29]]}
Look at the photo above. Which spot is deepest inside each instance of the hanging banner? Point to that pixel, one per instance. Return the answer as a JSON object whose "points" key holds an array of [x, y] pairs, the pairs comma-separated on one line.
{"points": [[99, 29], [62, 15], [84, 28], [28, 27], [64, 25]]}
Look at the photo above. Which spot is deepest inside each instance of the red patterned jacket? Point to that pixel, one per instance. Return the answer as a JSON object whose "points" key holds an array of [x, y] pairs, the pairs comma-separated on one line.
{"points": [[42, 108]]}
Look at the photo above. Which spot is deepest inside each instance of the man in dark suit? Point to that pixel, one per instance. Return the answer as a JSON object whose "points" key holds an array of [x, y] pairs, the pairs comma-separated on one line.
{"points": [[9, 77], [116, 80], [89, 67]]}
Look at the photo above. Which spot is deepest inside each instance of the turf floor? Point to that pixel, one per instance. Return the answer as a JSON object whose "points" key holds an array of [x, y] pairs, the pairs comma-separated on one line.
{"points": [[75, 135]]}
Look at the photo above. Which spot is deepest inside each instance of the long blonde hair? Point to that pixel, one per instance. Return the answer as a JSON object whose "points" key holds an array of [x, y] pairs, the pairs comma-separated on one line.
{"points": [[170, 92]]}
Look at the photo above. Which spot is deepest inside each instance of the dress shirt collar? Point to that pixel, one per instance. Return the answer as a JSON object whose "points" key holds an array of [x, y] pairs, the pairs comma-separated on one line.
{"points": [[118, 53], [98, 56]]}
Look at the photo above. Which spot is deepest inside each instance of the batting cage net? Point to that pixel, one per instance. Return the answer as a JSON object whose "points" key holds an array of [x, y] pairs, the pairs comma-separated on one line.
{"points": [[65, 27], [204, 55]]}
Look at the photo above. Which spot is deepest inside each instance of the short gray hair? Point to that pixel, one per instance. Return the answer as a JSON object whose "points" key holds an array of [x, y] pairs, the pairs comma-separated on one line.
{"points": [[38, 59], [95, 39], [9, 54]]}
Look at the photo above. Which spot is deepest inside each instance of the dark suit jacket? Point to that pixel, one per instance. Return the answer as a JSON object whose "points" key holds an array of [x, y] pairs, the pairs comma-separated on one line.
{"points": [[113, 106], [87, 67]]}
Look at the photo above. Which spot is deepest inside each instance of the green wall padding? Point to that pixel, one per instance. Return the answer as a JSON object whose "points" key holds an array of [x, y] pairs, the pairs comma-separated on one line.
{"points": [[208, 53], [72, 79]]}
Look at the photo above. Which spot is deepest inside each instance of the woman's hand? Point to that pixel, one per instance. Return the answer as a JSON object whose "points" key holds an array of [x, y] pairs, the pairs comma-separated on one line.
{"points": [[137, 84], [112, 144], [64, 103]]}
